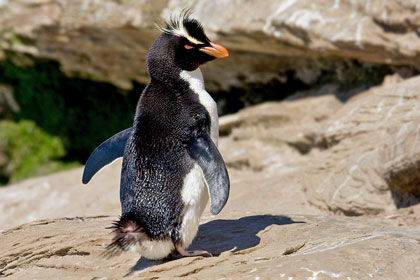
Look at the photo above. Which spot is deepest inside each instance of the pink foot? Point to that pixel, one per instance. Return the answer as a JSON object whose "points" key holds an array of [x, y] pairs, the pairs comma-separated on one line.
{"points": [[181, 250]]}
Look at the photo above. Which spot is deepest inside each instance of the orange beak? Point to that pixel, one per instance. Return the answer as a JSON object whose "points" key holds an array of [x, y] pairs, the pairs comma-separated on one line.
{"points": [[215, 50]]}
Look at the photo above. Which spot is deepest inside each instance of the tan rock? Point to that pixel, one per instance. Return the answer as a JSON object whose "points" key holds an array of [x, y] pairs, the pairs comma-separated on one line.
{"points": [[372, 163], [354, 158], [60, 195], [108, 40], [274, 135], [257, 245]]}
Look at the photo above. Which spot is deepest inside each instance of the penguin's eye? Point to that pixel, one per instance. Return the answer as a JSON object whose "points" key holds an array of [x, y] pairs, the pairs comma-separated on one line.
{"points": [[188, 47]]}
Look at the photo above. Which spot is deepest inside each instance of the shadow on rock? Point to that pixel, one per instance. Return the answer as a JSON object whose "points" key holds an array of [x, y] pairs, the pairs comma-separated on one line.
{"points": [[143, 264], [225, 235]]}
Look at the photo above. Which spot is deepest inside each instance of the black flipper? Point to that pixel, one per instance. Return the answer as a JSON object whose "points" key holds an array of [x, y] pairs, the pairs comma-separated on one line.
{"points": [[106, 153], [205, 153]]}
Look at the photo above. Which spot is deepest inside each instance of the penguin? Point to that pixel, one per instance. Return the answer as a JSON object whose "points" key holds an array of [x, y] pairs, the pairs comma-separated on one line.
{"points": [[171, 164]]}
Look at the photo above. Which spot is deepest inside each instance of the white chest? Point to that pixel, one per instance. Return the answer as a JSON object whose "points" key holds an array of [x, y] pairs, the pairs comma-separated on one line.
{"points": [[195, 79]]}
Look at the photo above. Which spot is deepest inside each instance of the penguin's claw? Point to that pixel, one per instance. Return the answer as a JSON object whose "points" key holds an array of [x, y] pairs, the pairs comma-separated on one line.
{"points": [[184, 253]]}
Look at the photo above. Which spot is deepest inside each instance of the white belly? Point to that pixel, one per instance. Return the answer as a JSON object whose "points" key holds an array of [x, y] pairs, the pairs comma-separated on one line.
{"points": [[153, 249], [195, 197], [195, 79]]}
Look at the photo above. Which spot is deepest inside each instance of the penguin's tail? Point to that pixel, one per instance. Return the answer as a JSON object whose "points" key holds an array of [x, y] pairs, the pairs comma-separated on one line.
{"points": [[127, 233]]}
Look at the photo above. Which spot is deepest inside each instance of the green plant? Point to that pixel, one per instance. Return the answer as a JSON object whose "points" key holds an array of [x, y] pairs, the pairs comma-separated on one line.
{"points": [[31, 150]]}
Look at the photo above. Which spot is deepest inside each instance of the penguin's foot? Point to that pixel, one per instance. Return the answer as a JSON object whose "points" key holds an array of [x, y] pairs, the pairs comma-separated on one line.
{"points": [[184, 253]]}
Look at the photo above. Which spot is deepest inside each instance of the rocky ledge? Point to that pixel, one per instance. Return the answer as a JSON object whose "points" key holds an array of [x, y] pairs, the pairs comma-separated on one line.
{"points": [[255, 245], [108, 40]]}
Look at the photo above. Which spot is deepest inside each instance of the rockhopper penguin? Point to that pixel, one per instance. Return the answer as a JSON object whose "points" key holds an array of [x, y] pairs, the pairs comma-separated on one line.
{"points": [[170, 160]]}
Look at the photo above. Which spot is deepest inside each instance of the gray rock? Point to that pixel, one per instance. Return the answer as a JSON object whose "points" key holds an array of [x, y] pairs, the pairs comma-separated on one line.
{"points": [[108, 40], [372, 161]]}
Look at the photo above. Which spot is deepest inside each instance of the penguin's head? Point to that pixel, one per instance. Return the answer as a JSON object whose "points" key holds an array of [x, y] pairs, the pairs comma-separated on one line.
{"points": [[184, 44]]}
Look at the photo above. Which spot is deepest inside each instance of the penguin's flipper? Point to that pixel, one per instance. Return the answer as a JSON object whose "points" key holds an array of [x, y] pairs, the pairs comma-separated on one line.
{"points": [[106, 153], [205, 153]]}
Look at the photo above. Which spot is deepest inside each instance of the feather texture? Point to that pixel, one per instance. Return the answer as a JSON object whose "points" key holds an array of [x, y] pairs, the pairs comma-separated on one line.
{"points": [[127, 234], [185, 26]]}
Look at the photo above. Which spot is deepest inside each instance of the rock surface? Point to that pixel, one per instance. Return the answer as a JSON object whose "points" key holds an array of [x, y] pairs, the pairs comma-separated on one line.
{"points": [[254, 245], [108, 40], [355, 158], [372, 160]]}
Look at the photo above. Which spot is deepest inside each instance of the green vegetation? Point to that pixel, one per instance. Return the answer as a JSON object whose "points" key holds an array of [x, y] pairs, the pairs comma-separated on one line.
{"points": [[31, 151]]}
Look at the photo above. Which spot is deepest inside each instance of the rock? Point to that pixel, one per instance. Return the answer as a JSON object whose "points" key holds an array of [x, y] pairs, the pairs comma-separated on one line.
{"points": [[354, 158], [8, 105], [60, 195], [256, 245], [108, 40], [372, 161], [274, 136]]}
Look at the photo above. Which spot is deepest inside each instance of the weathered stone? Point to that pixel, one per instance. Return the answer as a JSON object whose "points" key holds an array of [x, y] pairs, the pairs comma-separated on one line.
{"points": [[60, 195], [373, 151], [354, 158], [256, 245], [108, 40]]}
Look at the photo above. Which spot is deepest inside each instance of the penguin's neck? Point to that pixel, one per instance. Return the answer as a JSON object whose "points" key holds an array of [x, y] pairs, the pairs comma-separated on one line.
{"points": [[196, 84], [165, 74]]}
